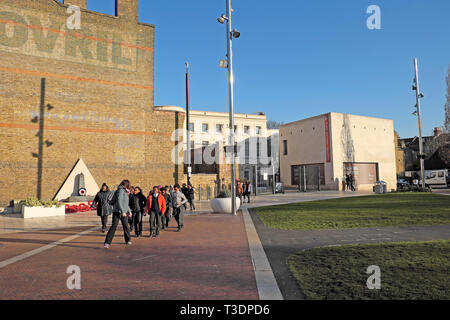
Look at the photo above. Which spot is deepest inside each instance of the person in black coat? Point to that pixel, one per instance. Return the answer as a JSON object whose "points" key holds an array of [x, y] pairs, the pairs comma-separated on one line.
{"points": [[168, 215], [104, 209], [139, 206], [190, 196], [133, 211]]}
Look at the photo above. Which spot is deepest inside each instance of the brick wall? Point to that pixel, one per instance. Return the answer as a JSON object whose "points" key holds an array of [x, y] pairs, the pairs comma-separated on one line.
{"points": [[70, 94]]}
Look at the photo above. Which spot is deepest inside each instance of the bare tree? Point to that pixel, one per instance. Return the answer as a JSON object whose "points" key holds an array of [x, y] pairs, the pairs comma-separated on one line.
{"points": [[447, 105], [273, 124]]}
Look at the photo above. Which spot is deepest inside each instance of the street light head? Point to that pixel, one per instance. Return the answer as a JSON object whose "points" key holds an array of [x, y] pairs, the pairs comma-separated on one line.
{"points": [[223, 64], [236, 34], [421, 95], [222, 19], [414, 113]]}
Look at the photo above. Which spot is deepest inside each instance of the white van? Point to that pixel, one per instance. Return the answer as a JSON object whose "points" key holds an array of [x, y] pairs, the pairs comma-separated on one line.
{"points": [[436, 178]]}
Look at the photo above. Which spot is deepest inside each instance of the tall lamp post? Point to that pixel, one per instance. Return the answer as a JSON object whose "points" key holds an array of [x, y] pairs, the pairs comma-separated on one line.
{"points": [[419, 96], [188, 132], [231, 33]]}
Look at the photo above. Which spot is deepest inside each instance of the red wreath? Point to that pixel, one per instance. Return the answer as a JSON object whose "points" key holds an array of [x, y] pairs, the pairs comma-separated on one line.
{"points": [[79, 208]]}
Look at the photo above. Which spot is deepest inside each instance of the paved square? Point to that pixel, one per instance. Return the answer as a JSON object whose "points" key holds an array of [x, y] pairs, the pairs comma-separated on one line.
{"points": [[209, 259]]}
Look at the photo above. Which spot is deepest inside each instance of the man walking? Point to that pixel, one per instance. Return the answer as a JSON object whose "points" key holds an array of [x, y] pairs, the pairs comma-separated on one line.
{"points": [[122, 212], [190, 196], [352, 182], [185, 191], [140, 204], [156, 207], [168, 214], [178, 202], [248, 189]]}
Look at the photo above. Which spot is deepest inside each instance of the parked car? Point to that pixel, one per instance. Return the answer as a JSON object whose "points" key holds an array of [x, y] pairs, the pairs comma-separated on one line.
{"points": [[403, 184]]}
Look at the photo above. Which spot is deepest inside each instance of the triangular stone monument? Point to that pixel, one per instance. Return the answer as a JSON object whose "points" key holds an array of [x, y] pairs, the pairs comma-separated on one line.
{"points": [[79, 186]]}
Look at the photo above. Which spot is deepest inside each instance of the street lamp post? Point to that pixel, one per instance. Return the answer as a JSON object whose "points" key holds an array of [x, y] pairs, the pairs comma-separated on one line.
{"points": [[188, 132], [229, 65], [419, 96]]}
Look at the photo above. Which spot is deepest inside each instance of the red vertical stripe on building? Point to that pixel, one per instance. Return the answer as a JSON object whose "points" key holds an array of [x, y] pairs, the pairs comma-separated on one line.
{"points": [[327, 136]]}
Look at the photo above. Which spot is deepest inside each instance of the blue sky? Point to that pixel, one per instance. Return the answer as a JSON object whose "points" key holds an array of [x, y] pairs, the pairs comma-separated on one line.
{"points": [[296, 58]]}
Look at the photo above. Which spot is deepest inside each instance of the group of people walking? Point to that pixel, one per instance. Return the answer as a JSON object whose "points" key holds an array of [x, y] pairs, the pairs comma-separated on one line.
{"points": [[244, 190], [129, 206], [349, 182]]}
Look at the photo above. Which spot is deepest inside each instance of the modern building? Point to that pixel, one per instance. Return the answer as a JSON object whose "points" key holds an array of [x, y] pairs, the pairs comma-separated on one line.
{"points": [[316, 153], [70, 94], [257, 146]]}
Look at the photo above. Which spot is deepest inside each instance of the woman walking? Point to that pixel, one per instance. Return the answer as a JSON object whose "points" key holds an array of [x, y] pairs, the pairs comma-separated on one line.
{"points": [[121, 212], [139, 204], [104, 209]]}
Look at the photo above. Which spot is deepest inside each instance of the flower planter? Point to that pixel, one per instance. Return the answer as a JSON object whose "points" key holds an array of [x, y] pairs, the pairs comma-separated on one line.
{"points": [[223, 205], [42, 212]]}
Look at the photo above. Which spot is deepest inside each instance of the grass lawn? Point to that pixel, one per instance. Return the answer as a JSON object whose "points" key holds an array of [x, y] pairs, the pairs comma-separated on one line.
{"points": [[394, 209], [413, 270]]}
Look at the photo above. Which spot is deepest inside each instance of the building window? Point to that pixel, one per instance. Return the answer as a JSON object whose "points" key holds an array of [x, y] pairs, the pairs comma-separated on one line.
{"points": [[204, 127], [191, 127], [205, 143], [246, 129], [285, 147], [235, 129], [258, 130], [219, 128]]}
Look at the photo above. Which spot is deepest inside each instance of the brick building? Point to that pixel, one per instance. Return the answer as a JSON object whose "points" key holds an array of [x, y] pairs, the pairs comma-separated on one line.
{"points": [[88, 93]]}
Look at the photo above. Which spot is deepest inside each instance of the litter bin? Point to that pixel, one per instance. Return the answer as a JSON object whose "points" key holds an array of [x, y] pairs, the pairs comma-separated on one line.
{"points": [[380, 187]]}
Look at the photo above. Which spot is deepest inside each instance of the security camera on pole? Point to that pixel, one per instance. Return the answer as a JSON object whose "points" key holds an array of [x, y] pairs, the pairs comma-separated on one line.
{"points": [[419, 96], [229, 65]]}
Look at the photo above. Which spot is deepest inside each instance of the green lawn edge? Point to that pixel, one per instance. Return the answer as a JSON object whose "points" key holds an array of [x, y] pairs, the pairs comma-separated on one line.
{"points": [[409, 271], [388, 210]]}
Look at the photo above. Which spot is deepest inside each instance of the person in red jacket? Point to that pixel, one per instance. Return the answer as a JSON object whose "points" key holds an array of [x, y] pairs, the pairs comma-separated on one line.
{"points": [[156, 208]]}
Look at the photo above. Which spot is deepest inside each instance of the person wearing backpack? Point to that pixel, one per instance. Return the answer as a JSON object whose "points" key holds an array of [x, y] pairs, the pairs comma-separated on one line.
{"points": [[104, 209], [121, 212]]}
